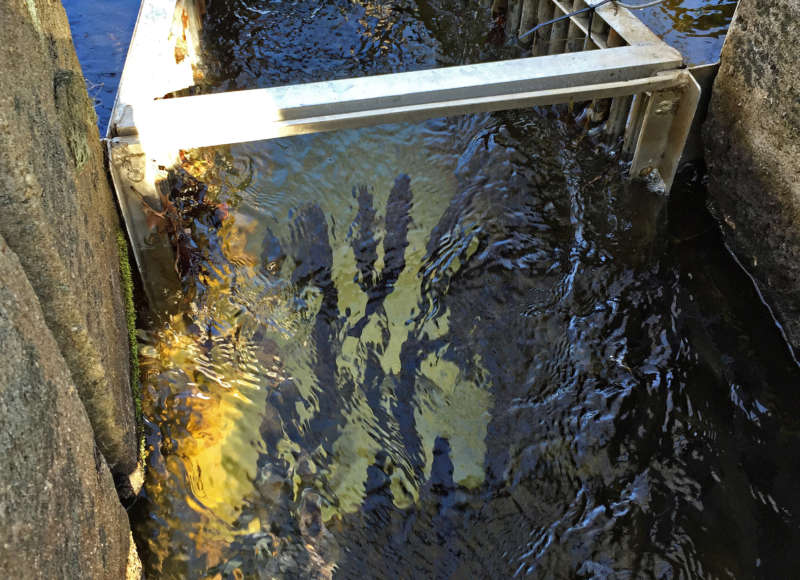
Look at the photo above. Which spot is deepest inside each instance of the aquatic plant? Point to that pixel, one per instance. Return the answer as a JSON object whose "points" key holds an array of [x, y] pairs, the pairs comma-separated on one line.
{"points": [[126, 277]]}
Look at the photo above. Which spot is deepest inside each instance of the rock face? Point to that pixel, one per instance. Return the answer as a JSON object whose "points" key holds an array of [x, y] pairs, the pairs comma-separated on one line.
{"points": [[66, 411], [58, 216], [59, 512], [753, 150]]}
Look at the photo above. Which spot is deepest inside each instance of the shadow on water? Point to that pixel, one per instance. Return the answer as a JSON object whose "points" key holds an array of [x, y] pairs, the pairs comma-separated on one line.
{"points": [[559, 375], [466, 347]]}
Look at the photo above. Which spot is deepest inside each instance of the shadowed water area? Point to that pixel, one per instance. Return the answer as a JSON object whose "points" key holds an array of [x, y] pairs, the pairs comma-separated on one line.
{"points": [[461, 348]]}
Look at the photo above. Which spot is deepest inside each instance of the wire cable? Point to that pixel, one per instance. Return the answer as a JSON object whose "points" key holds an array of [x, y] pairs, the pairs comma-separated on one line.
{"points": [[589, 9], [639, 6], [565, 17]]}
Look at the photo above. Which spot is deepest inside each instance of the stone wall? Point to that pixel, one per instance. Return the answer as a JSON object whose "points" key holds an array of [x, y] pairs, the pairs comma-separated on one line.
{"points": [[57, 213], [753, 150], [59, 513], [67, 424]]}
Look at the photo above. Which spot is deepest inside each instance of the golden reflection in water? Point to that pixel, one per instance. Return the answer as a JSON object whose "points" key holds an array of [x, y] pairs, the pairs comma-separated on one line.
{"points": [[210, 368], [201, 397], [376, 25]]}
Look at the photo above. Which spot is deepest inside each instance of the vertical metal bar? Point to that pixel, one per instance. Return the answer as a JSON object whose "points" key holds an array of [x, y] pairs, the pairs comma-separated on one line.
{"points": [[513, 16], [598, 109], [667, 122], [542, 41], [530, 9], [654, 135], [619, 107], [558, 38], [594, 31], [679, 132], [634, 125], [574, 34], [617, 116], [588, 35]]}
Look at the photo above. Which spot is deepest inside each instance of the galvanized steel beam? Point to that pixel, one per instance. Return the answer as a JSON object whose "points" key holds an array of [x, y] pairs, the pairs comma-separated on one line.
{"points": [[258, 114]]}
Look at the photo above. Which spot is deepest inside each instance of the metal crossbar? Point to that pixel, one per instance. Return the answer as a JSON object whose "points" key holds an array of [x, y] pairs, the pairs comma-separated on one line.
{"points": [[602, 54], [327, 106]]}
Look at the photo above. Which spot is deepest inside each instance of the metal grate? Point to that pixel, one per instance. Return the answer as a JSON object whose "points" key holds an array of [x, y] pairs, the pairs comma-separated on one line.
{"points": [[636, 85]]}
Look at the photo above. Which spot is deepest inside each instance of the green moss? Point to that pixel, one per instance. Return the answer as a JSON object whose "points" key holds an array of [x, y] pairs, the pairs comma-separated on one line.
{"points": [[130, 317]]}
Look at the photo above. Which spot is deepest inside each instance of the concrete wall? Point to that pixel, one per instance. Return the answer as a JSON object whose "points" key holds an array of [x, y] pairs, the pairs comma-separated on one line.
{"points": [[752, 141], [66, 409]]}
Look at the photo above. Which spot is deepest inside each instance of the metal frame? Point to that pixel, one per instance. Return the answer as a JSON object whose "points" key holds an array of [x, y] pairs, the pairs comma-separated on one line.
{"points": [[327, 106], [629, 52], [633, 79]]}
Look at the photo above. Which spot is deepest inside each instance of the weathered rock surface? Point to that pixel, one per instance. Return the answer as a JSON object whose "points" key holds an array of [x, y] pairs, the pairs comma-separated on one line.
{"points": [[59, 511], [57, 214], [753, 149]]}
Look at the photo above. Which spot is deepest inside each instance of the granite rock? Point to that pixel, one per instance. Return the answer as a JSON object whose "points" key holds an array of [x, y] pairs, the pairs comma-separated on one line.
{"points": [[59, 513], [752, 140], [57, 213]]}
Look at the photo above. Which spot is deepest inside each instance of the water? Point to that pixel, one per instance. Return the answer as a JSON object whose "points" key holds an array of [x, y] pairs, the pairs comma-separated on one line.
{"points": [[339, 39], [102, 32], [568, 377], [695, 27], [458, 348]]}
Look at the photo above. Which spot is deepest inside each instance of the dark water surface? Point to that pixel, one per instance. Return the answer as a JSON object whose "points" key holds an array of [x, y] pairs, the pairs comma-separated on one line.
{"points": [[254, 44], [461, 348], [507, 364]]}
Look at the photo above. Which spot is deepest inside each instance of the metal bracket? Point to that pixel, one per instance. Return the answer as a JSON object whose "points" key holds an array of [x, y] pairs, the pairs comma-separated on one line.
{"points": [[665, 126]]}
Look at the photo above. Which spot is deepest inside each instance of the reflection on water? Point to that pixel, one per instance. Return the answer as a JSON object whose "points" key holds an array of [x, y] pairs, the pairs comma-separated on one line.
{"points": [[101, 32], [463, 347], [259, 44], [459, 348], [695, 27]]}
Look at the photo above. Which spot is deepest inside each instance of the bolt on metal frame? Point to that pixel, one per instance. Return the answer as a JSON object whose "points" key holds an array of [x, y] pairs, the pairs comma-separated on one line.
{"points": [[635, 81]]}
